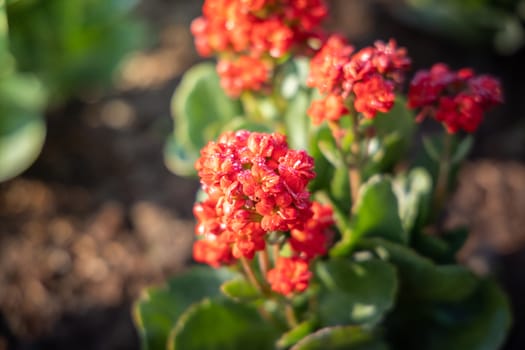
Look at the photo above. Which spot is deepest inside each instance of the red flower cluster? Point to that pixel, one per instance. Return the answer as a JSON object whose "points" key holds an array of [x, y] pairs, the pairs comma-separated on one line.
{"points": [[313, 239], [369, 76], [457, 99], [245, 73], [265, 30], [255, 185], [290, 275]]}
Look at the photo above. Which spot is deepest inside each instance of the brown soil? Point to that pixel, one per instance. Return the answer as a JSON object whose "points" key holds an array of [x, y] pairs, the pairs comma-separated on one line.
{"points": [[98, 217]]}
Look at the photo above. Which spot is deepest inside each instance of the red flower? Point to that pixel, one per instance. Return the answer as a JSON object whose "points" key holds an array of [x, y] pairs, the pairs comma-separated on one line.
{"points": [[486, 90], [427, 86], [331, 108], [369, 77], [312, 240], [390, 60], [289, 276], [212, 252], [264, 30], [273, 37], [326, 67], [462, 112], [255, 184], [374, 95], [245, 73], [457, 99]]}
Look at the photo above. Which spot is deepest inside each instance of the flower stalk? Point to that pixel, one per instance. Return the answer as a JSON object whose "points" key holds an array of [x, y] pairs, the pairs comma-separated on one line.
{"points": [[442, 181]]}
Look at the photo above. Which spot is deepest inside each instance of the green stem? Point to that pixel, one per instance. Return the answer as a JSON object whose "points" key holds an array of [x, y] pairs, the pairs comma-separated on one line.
{"points": [[251, 107], [441, 189], [289, 312], [251, 275], [264, 262], [354, 171]]}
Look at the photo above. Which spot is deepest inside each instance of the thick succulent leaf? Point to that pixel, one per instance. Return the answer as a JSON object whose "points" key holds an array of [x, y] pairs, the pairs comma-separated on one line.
{"points": [[324, 166], [421, 279], [200, 109], [442, 249], [479, 322], [221, 325], [178, 158], [240, 289], [157, 311], [22, 128], [295, 334], [298, 98], [413, 191], [355, 292], [394, 131], [296, 120], [376, 214], [341, 338]]}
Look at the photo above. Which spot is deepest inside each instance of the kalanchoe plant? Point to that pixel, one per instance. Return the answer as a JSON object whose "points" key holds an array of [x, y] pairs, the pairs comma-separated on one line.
{"points": [[318, 233]]}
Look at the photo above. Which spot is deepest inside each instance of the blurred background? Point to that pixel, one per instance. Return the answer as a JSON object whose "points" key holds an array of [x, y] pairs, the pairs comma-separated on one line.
{"points": [[89, 214]]}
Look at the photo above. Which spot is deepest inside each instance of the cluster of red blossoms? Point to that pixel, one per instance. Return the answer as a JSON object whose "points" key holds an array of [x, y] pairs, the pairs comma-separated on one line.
{"points": [[367, 78], [254, 33], [457, 99], [256, 185]]}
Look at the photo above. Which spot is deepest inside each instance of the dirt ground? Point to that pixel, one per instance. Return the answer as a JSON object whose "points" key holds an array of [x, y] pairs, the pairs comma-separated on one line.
{"points": [[98, 217]]}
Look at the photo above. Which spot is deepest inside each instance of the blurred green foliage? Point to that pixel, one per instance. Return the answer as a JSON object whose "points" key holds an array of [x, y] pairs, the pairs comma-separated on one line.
{"points": [[51, 50], [500, 23], [71, 45]]}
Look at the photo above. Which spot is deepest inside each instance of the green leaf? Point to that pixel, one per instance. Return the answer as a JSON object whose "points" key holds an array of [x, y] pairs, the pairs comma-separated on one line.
{"points": [[433, 151], [20, 147], [179, 159], [200, 109], [295, 334], [323, 168], [355, 292], [239, 123], [340, 190], [463, 149], [340, 338], [22, 128], [376, 214], [294, 75], [442, 249], [297, 121], [240, 290], [157, 311], [88, 41], [394, 131], [331, 153], [298, 97], [421, 279], [413, 191], [479, 322], [221, 325], [484, 322]]}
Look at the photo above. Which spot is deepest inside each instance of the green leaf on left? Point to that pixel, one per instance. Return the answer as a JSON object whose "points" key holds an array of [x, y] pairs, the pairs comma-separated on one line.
{"points": [[222, 325], [157, 311], [200, 109]]}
